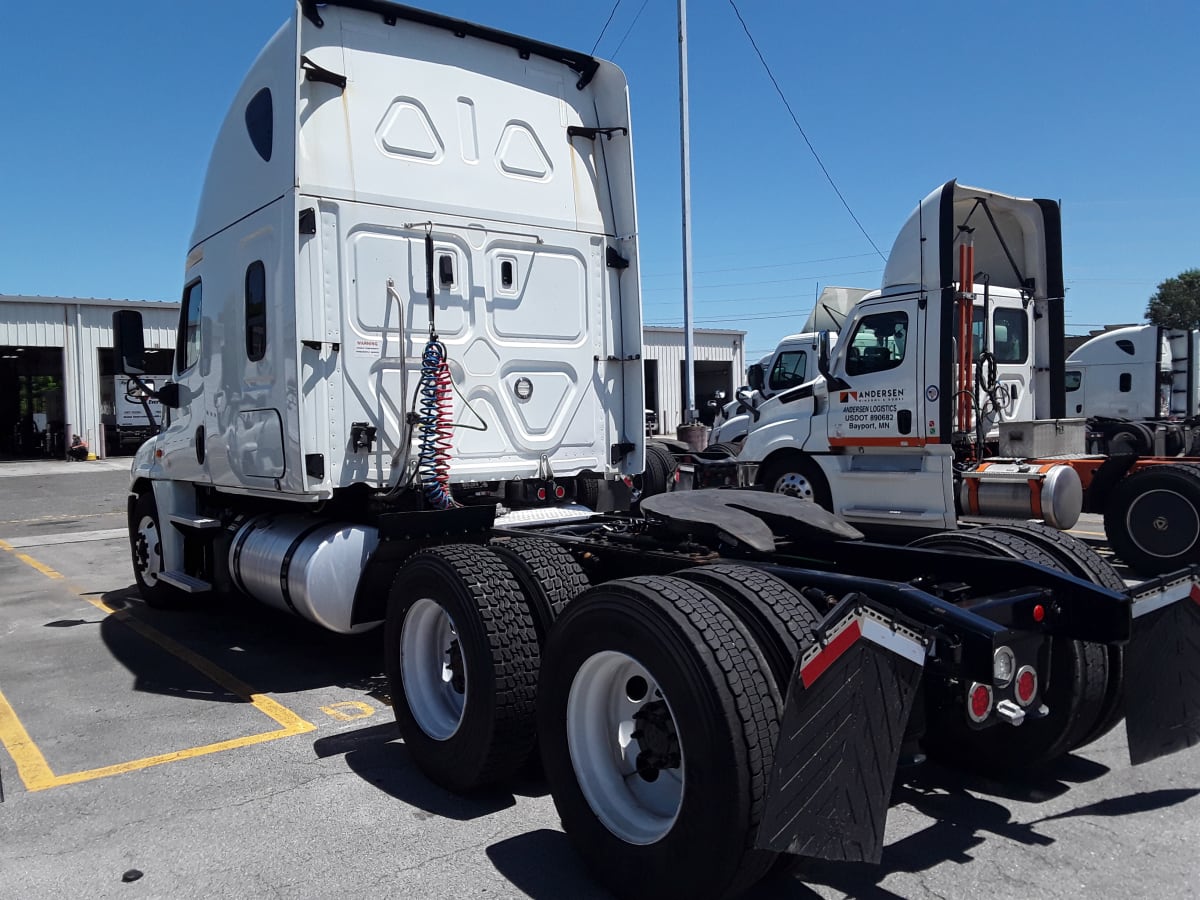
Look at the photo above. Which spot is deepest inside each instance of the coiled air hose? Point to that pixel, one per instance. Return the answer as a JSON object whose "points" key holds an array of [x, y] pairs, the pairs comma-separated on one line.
{"points": [[434, 423]]}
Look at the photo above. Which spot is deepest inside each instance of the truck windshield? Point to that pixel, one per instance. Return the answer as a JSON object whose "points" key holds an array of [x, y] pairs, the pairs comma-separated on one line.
{"points": [[788, 371]]}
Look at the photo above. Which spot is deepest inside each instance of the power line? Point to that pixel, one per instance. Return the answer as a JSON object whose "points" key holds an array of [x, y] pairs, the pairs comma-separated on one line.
{"points": [[629, 29], [799, 262], [612, 12], [795, 279], [800, 128]]}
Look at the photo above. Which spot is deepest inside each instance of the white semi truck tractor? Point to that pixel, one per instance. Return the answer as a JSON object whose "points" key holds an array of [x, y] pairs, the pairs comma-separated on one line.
{"points": [[412, 296]]}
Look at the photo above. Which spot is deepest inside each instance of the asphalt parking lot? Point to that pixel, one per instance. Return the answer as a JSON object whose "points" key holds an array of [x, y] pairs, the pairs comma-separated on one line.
{"points": [[232, 751]]}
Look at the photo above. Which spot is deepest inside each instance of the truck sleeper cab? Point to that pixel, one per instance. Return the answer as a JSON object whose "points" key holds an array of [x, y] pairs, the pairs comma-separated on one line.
{"points": [[413, 272]]}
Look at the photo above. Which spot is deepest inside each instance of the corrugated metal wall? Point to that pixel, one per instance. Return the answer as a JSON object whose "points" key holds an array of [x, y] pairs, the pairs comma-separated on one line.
{"points": [[666, 346], [81, 329]]}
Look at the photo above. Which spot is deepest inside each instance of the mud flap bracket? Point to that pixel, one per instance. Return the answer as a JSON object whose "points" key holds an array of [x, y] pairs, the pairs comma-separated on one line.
{"points": [[1162, 669], [839, 738]]}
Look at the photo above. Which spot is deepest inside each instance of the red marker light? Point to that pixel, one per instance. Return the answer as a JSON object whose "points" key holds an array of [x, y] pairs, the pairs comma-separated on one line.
{"points": [[1026, 685], [560, 492], [979, 702], [541, 494], [1039, 613]]}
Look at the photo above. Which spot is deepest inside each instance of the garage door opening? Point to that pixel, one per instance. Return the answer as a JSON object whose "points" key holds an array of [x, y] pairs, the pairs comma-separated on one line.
{"points": [[714, 387], [122, 411], [32, 409]]}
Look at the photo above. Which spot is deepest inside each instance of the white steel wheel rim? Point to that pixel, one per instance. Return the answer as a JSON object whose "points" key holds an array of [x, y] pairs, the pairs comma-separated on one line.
{"points": [[604, 753], [793, 484], [149, 550], [427, 668], [1185, 522]]}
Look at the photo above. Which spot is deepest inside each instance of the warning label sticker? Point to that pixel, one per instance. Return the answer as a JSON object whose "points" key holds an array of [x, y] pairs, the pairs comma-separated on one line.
{"points": [[368, 347]]}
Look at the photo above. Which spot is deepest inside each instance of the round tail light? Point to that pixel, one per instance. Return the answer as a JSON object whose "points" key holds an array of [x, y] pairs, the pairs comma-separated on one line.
{"points": [[979, 701], [541, 494], [1026, 688], [560, 492]]}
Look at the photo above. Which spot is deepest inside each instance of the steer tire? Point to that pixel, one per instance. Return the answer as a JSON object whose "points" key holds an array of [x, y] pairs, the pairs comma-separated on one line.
{"points": [[729, 448], [548, 574], [790, 472], [145, 545], [722, 710], [779, 619], [1075, 691], [1152, 518], [1080, 560], [498, 653]]}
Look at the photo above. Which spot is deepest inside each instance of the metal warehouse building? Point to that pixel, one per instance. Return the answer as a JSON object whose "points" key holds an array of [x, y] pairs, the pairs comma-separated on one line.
{"points": [[57, 374], [720, 361]]}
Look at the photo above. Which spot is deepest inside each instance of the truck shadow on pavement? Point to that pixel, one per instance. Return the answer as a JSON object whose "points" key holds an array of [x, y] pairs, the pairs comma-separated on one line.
{"points": [[276, 653], [266, 650], [965, 811]]}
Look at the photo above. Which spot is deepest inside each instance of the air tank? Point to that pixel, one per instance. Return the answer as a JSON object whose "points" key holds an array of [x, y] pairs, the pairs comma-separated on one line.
{"points": [[304, 566], [1051, 492]]}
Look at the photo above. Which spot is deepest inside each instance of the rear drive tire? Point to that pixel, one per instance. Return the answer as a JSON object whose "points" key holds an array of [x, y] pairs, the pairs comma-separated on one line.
{"points": [[1153, 518], [548, 574], [1075, 691], [1080, 560], [658, 657], [587, 491], [462, 663], [779, 619]]}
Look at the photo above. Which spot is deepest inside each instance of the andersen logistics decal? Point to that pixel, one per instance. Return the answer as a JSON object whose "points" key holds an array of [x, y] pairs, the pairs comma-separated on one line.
{"points": [[871, 410]]}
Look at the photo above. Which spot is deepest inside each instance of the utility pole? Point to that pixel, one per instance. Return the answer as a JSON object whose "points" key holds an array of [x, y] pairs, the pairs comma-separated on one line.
{"points": [[689, 378]]}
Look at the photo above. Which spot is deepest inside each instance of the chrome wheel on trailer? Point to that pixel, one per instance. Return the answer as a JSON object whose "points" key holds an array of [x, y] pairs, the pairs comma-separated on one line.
{"points": [[434, 673], [624, 747]]}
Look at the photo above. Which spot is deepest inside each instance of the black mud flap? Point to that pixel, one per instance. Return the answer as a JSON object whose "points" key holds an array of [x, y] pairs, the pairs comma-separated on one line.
{"points": [[1162, 667], [839, 740]]}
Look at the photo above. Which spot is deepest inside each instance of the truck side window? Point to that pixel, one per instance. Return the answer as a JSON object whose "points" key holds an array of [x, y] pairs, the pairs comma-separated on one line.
{"points": [[788, 371], [260, 123], [256, 311], [187, 350], [878, 343], [1072, 380], [1010, 335], [978, 329]]}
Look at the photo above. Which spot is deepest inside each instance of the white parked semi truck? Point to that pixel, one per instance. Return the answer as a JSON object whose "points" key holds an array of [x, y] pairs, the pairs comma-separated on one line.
{"points": [[412, 292], [942, 401]]}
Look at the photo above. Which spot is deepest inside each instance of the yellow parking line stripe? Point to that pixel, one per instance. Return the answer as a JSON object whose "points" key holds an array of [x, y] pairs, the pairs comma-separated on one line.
{"points": [[36, 773], [29, 560], [31, 765]]}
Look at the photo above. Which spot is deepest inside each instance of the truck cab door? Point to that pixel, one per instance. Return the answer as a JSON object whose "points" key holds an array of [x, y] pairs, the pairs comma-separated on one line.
{"points": [[183, 443], [877, 401], [887, 466]]}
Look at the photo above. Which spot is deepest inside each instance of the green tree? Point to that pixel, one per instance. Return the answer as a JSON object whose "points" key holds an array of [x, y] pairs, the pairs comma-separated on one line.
{"points": [[1176, 303]]}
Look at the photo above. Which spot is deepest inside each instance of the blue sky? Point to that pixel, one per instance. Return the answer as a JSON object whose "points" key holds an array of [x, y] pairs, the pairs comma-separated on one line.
{"points": [[109, 111]]}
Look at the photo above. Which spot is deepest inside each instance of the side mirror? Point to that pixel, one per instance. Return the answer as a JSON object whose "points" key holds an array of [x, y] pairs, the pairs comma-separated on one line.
{"points": [[754, 375], [129, 346], [823, 353], [168, 395]]}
